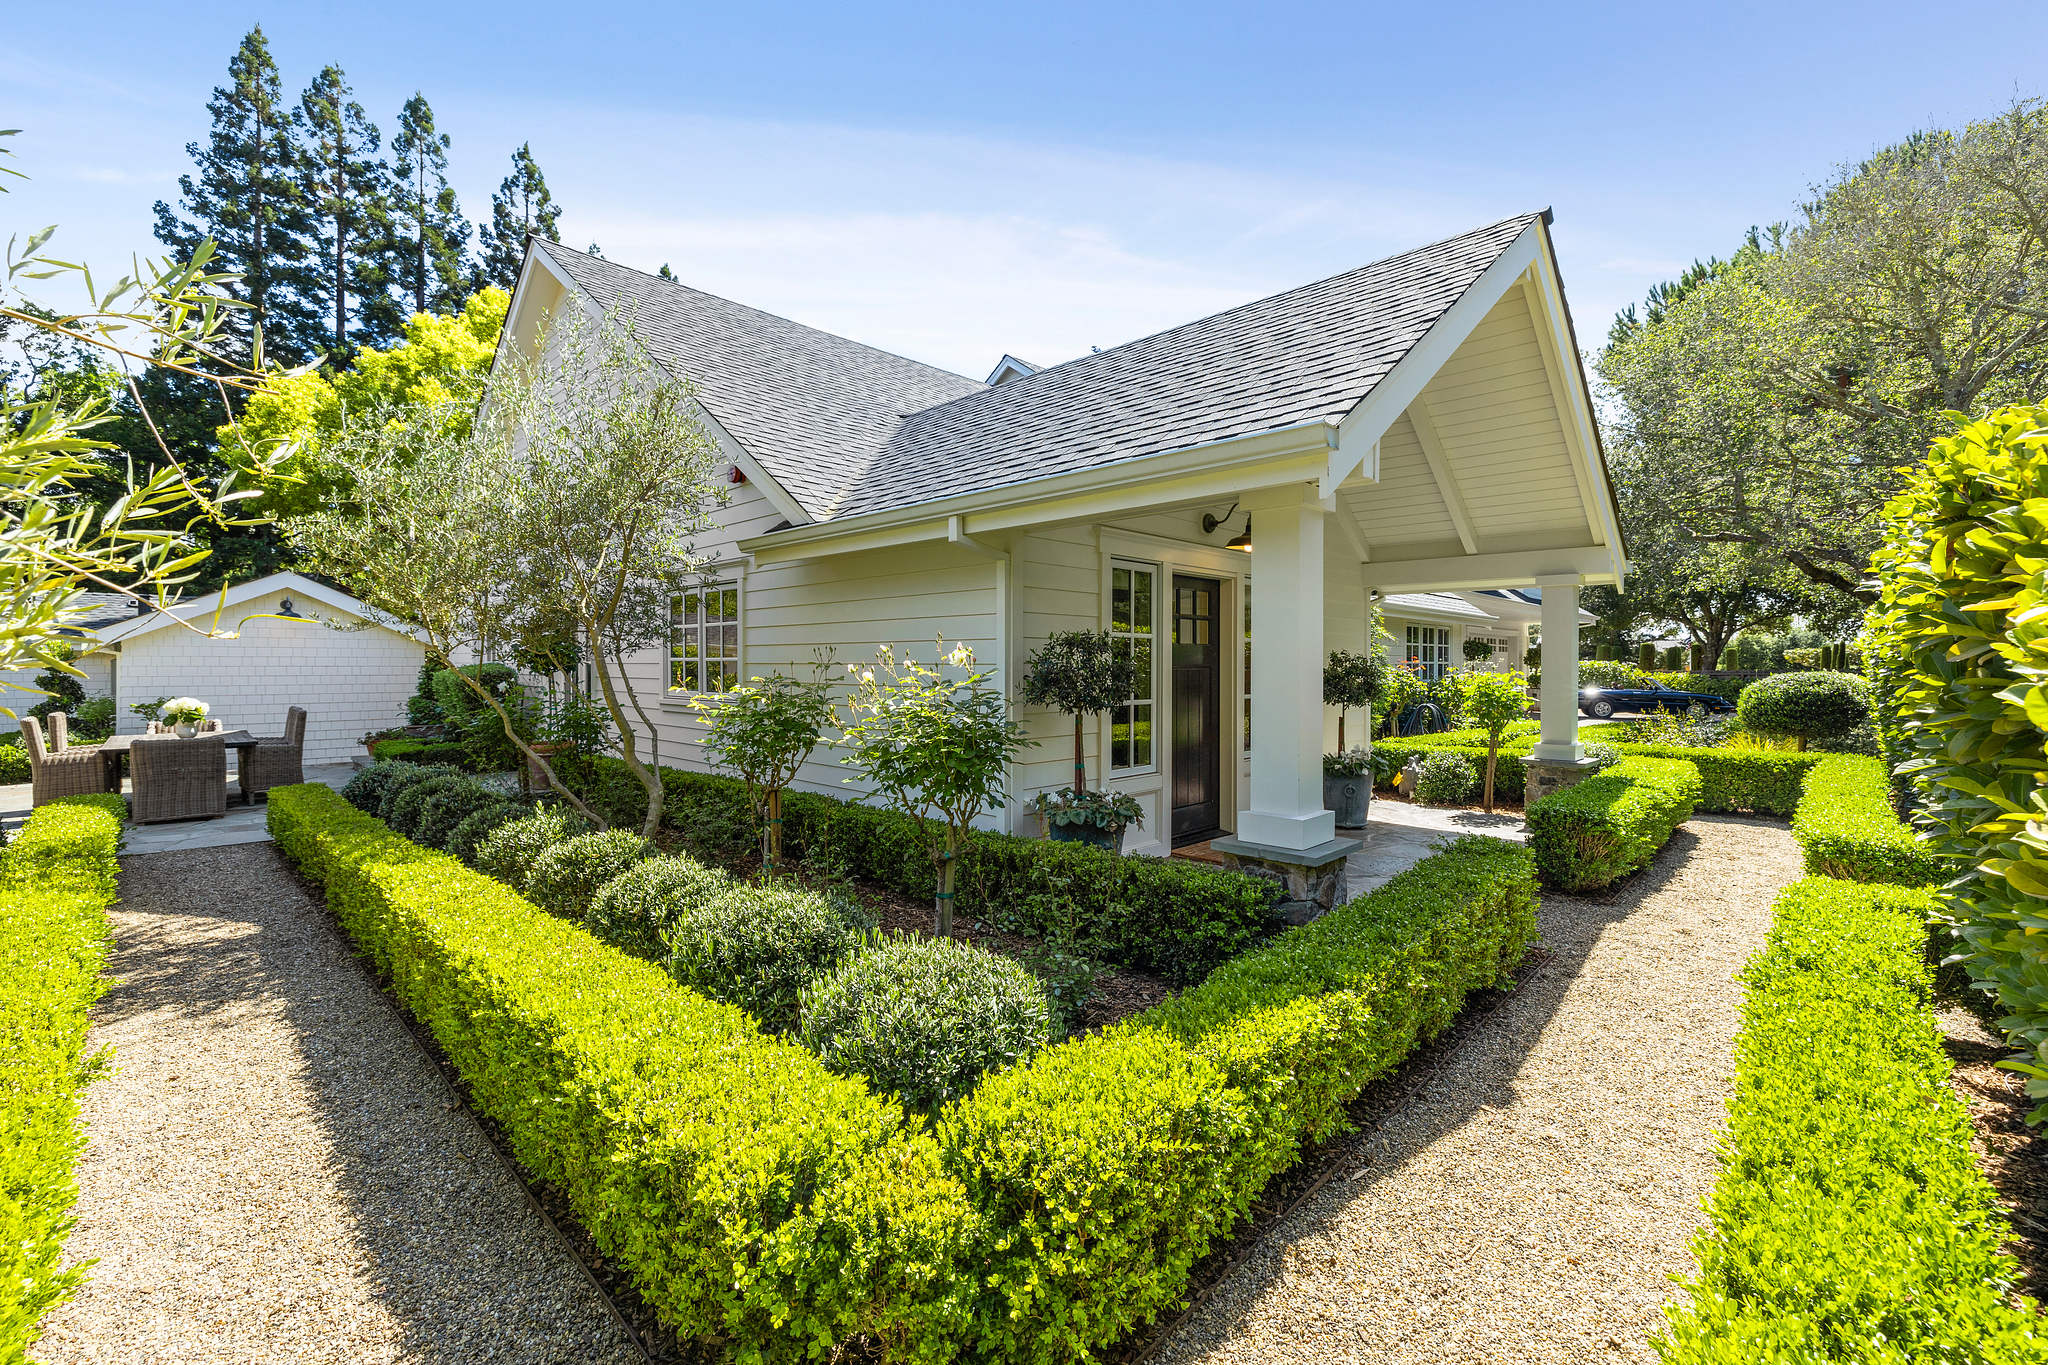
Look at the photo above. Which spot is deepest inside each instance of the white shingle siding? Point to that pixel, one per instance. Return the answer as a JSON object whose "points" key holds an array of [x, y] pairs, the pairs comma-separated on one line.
{"points": [[350, 682]]}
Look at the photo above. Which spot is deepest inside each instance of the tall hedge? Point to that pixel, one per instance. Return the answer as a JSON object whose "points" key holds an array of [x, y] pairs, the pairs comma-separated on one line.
{"points": [[56, 880], [1962, 625]]}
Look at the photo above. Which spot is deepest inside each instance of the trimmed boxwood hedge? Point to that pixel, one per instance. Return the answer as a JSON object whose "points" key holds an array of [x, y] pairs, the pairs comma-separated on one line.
{"points": [[755, 1198], [1597, 832], [1167, 916], [1762, 781], [1104, 1168], [751, 1194], [408, 750], [56, 880], [1846, 828], [1850, 1221]]}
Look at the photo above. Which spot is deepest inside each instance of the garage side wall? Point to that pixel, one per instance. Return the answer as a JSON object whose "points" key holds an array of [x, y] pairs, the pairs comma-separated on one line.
{"points": [[350, 681]]}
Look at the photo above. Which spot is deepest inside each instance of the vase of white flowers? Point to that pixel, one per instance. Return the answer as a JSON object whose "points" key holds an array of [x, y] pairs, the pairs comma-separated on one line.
{"points": [[184, 715]]}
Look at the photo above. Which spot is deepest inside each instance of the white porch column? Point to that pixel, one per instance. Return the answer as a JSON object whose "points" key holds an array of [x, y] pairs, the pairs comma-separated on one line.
{"points": [[1558, 655], [1286, 809]]}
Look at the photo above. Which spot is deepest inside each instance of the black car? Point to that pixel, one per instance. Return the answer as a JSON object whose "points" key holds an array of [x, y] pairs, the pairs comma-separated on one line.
{"points": [[1602, 702]]}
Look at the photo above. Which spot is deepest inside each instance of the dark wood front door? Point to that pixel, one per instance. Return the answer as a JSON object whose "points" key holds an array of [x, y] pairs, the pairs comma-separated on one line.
{"points": [[1197, 708]]}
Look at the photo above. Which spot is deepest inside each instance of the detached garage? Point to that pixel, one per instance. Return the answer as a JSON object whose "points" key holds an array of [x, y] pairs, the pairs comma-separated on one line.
{"points": [[289, 642]]}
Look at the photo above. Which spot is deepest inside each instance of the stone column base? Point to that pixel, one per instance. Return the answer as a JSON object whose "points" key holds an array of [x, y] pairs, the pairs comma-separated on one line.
{"points": [[1548, 776], [1310, 881]]}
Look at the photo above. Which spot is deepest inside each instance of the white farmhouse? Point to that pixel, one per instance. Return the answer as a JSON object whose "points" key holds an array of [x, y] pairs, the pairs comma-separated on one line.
{"points": [[1225, 497]]}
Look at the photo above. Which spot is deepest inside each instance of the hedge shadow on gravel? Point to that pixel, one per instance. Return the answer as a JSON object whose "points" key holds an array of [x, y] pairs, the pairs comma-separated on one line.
{"points": [[1547, 977]]}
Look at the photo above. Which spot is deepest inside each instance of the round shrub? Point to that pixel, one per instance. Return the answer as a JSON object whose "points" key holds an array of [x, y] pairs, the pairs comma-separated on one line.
{"points": [[446, 809], [1446, 779], [758, 947], [399, 783], [633, 911], [478, 825], [510, 851], [923, 1018], [1806, 706], [367, 789], [403, 814], [567, 875]]}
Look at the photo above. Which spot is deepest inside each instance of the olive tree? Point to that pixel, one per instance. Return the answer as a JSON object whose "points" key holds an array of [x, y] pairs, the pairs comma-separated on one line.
{"points": [[56, 543], [1079, 673], [935, 747], [764, 730]]}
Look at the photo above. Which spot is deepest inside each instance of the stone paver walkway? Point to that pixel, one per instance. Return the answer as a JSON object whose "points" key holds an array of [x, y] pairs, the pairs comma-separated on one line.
{"points": [[1531, 1198], [273, 1172]]}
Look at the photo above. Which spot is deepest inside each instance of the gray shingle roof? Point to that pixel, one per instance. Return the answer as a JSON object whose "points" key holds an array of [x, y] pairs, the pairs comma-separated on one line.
{"points": [[847, 429]]}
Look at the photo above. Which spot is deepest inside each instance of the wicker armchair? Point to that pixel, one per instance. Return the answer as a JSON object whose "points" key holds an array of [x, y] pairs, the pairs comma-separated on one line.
{"points": [[276, 761], [178, 779], [61, 771]]}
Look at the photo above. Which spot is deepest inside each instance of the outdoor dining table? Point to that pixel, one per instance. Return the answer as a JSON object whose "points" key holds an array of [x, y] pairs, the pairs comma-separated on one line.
{"points": [[241, 741]]}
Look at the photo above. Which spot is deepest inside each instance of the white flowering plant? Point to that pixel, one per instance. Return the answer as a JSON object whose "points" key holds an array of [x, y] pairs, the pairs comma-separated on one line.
{"points": [[184, 711]]}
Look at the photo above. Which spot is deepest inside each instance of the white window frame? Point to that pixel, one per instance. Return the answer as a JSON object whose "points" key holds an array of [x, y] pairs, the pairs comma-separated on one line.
{"points": [[736, 584], [1128, 711], [1430, 647]]}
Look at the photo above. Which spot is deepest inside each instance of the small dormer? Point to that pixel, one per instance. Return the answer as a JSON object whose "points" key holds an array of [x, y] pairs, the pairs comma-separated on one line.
{"points": [[1010, 368]]}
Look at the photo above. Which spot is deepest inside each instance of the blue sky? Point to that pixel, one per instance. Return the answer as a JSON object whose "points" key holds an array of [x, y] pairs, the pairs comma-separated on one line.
{"points": [[956, 183]]}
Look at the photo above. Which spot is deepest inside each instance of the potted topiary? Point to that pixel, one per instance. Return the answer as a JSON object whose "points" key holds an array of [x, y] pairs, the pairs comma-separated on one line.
{"points": [[1350, 680], [1347, 786], [1080, 673]]}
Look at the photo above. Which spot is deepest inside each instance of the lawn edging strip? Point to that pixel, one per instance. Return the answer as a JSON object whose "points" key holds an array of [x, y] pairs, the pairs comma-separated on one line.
{"points": [[1846, 828], [56, 880], [1598, 831], [1850, 1221]]}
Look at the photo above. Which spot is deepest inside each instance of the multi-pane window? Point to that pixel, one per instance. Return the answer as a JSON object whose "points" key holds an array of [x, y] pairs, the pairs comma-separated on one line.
{"points": [[1430, 648], [704, 637], [1130, 634], [1246, 591]]}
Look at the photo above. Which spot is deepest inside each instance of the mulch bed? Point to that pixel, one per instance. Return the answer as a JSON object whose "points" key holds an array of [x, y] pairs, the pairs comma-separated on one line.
{"points": [[2013, 1156]]}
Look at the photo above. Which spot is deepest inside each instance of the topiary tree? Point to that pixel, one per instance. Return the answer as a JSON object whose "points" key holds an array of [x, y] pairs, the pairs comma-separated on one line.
{"points": [[1491, 702], [1079, 673], [935, 747], [764, 730], [1353, 680], [567, 875], [758, 947], [635, 910], [1805, 706]]}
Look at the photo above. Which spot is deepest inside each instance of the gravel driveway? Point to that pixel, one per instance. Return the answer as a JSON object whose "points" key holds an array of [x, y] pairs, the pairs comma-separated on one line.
{"points": [[274, 1173], [1532, 1200]]}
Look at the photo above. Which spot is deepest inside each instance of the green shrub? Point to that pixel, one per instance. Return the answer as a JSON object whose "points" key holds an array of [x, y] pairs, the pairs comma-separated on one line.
{"points": [[1806, 706], [1166, 916], [1955, 642], [402, 778], [14, 767], [752, 1197], [444, 810], [440, 753], [635, 910], [56, 880], [1609, 825], [757, 947], [567, 875], [367, 788], [474, 726], [402, 812], [510, 851], [480, 824], [1850, 1222], [924, 1018], [1447, 779], [1846, 828], [1099, 1171]]}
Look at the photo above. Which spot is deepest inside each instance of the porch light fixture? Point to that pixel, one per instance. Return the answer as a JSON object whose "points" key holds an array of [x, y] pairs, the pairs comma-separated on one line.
{"points": [[1241, 541]]}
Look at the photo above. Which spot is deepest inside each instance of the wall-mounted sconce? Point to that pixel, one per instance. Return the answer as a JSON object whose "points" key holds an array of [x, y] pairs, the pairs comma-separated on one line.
{"points": [[1241, 541]]}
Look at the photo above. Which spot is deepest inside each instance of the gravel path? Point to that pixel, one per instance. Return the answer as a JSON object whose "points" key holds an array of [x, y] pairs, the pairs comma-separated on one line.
{"points": [[274, 1173], [1533, 1199]]}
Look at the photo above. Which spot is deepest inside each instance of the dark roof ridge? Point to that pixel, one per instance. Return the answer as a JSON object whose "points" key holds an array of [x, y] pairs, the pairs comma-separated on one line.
{"points": [[586, 257], [1024, 383]]}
